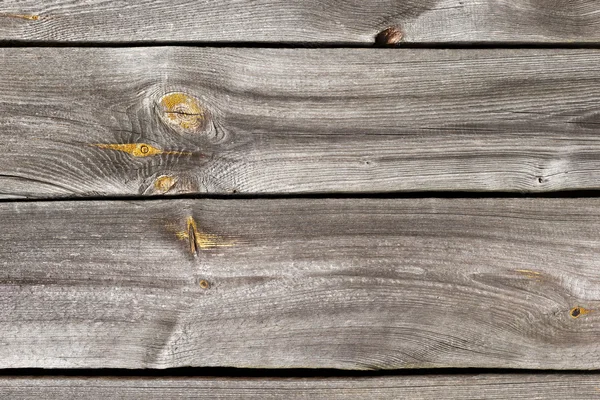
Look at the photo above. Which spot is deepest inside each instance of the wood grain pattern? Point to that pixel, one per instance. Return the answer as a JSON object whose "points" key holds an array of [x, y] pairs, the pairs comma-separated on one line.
{"points": [[453, 387], [319, 283], [292, 21], [142, 121]]}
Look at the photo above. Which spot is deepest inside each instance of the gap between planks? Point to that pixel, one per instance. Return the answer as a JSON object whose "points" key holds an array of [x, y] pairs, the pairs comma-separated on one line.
{"points": [[568, 194], [304, 45]]}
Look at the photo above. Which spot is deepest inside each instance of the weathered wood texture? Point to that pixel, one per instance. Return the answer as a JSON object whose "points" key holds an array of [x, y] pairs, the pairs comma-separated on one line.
{"points": [[332, 21], [329, 283], [112, 121], [454, 387]]}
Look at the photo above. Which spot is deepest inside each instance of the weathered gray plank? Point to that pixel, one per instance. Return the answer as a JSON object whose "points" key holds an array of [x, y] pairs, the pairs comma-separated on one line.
{"points": [[349, 21], [453, 387], [330, 283], [296, 120]]}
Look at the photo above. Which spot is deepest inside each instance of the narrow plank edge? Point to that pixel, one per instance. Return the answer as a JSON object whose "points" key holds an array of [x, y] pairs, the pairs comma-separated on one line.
{"points": [[424, 21], [429, 387]]}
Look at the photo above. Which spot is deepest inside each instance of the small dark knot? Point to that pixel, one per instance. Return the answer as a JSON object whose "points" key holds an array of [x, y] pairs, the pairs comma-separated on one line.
{"points": [[389, 37]]}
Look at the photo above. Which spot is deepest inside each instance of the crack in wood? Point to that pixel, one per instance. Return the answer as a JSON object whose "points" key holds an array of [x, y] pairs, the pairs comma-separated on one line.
{"points": [[199, 240]]}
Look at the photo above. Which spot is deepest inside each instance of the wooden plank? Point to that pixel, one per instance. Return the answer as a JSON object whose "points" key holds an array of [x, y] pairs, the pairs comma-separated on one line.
{"points": [[428, 387], [141, 121], [319, 283], [274, 21]]}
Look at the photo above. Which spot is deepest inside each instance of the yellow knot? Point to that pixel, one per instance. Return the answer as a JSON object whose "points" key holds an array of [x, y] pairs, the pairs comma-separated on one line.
{"points": [[204, 284], [182, 112]]}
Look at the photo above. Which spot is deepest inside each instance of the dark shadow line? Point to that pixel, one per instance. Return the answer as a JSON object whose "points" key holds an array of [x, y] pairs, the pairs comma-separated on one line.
{"points": [[274, 373], [300, 44], [340, 195]]}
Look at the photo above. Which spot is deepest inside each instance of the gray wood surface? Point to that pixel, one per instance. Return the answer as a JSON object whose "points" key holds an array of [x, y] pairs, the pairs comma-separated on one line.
{"points": [[331, 21], [323, 283], [142, 121], [429, 387]]}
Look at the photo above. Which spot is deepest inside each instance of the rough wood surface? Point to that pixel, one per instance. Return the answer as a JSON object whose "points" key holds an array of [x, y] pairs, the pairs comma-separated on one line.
{"points": [[129, 121], [332, 21], [429, 387], [323, 283]]}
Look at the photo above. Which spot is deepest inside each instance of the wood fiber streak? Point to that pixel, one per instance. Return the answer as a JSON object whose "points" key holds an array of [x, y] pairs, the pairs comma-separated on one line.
{"points": [[453, 387], [293, 21], [318, 283], [168, 120]]}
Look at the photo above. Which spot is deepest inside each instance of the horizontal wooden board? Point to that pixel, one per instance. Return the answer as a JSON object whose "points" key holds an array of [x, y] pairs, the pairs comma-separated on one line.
{"points": [[319, 283], [428, 387], [142, 121], [274, 21]]}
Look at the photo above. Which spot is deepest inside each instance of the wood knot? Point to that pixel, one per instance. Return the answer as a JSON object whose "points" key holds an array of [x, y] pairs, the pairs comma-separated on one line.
{"points": [[204, 284], [577, 312], [164, 183], [182, 112], [389, 37]]}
